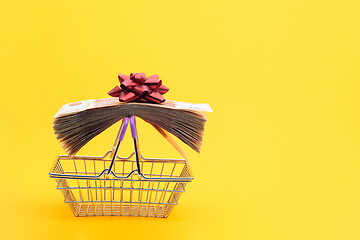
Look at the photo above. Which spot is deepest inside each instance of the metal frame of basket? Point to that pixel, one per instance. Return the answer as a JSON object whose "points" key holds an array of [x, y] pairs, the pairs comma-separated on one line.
{"points": [[110, 185]]}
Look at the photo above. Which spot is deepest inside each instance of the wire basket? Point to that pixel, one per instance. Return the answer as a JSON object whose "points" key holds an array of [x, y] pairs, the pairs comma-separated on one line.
{"points": [[121, 186]]}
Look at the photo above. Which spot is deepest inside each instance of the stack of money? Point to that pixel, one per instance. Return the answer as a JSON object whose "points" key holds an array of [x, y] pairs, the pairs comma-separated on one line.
{"points": [[75, 124]]}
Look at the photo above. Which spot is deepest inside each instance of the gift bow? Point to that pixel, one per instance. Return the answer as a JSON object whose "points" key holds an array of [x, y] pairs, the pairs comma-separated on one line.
{"points": [[137, 86]]}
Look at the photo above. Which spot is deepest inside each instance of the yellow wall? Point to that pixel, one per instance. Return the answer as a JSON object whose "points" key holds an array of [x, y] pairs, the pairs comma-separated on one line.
{"points": [[281, 151]]}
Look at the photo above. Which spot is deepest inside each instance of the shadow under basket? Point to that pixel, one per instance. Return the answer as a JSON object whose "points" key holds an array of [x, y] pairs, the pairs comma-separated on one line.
{"points": [[89, 191]]}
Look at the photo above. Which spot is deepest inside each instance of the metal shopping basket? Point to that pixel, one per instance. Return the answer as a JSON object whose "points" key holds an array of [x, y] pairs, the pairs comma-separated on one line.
{"points": [[121, 186]]}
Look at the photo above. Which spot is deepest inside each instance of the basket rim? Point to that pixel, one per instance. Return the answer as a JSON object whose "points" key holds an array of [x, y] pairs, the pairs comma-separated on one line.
{"points": [[141, 177]]}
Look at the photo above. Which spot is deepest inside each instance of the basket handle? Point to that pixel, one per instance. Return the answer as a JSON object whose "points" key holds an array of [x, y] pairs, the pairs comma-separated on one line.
{"points": [[125, 123], [136, 143], [134, 135]]}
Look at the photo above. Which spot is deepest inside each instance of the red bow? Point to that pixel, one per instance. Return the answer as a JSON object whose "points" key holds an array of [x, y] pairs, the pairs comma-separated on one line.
{"points": [[137, 86]]}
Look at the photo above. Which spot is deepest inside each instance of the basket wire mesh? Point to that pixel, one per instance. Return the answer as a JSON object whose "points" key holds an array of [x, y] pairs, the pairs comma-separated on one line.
{"points": [[110, 185]]}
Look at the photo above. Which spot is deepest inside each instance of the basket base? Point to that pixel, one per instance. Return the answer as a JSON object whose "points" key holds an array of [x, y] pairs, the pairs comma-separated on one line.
{"points": [[117, 209]]}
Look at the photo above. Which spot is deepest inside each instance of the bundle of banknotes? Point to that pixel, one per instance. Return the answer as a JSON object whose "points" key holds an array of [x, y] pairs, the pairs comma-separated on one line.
{"points": [[75, 124]]}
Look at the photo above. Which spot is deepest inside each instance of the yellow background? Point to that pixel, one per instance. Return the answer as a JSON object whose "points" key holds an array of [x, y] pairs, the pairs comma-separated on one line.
{"points": [[281, 151]]}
